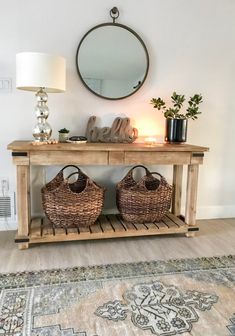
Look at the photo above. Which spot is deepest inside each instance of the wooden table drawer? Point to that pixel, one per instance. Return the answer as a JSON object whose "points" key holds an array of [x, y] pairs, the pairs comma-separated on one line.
{"points": [[68, 157], [152, 158]]}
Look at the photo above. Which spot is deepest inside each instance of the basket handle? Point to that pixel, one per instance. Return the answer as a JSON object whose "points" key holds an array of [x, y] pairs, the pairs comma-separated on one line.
{"points": [[163, 179], [79, 172], [129, 174], [89, 182], [139, 166], [70, 166], [156, 174]]}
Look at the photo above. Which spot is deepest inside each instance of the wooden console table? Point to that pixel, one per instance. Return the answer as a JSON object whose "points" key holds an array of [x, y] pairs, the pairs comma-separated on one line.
{"points": [[34, 230]]}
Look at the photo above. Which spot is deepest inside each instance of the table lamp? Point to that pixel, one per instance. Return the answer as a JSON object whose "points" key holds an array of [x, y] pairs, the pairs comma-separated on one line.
{"points": [[41, 73]]}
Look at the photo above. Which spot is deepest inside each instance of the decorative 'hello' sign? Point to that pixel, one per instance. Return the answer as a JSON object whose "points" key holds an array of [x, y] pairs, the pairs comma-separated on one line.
{"points": [[120, 131]]}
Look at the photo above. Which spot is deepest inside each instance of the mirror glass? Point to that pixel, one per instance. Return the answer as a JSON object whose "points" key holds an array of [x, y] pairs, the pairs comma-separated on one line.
{"points": [[112, 61]]}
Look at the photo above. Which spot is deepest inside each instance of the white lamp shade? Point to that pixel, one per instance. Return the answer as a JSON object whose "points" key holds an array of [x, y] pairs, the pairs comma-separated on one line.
{"points": [[38, 70]]}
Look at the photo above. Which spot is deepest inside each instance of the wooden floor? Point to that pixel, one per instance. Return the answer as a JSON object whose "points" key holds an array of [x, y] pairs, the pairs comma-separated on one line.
{"points": [[216, 237]]}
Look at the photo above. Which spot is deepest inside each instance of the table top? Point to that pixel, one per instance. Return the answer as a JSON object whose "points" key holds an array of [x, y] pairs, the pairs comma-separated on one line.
{"points": [[22, 145]]}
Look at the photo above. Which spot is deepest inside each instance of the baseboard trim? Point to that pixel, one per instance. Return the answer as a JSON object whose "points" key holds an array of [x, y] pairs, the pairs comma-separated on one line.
{"points": [[212, 212], [8, 226]]}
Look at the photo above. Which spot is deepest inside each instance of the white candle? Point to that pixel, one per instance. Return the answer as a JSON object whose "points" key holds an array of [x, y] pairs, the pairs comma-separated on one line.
{"points": [[150, 140]]}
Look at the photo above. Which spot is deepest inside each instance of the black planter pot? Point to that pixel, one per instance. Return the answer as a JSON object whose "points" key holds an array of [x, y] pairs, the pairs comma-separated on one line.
{"points": [[176, 130]]}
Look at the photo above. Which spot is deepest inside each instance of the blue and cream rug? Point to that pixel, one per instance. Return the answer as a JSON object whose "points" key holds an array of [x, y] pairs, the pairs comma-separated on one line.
{"points": [[187, 297]]}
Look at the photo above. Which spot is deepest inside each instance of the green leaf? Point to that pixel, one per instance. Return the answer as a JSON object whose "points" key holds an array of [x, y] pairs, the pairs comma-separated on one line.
{"points": [[173, 112]]}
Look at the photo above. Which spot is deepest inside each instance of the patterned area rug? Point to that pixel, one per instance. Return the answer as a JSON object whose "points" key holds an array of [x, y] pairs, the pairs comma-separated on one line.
{"points": [[187, 297]]}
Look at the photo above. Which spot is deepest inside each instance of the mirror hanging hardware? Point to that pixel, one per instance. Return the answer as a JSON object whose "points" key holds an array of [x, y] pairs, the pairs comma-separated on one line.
{"points": [[137, 85], [114, 13]]}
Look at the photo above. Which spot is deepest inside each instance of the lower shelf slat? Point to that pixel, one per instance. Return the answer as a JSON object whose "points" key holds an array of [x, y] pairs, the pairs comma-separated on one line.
{"points": [[107, 226]]}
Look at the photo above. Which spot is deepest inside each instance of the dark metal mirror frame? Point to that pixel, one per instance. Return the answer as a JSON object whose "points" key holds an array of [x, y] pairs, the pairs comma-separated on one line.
{"points": [[112, 11]]}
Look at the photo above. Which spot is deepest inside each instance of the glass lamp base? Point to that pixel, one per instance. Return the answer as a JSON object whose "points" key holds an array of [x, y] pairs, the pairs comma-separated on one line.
{"points": [[42, 132]]}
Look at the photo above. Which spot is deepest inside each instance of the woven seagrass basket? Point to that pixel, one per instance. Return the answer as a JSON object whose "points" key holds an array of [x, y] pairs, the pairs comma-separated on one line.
{"points": [[147, 200], [72, 204]]}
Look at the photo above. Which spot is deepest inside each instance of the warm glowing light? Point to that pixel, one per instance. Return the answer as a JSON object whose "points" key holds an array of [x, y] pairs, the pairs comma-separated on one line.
{"points": [[148, 127], [150, 140]]}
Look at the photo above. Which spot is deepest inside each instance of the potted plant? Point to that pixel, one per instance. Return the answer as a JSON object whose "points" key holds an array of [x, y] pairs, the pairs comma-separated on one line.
{"points": [[176, 121], [63, 134]]}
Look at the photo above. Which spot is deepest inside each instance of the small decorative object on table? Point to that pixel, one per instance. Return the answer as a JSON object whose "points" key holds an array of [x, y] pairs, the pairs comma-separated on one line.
{"points": [[120, 131], [63, 135], [145, 201], [150, 141], [176, 122], [77, 139], [47, 142]]}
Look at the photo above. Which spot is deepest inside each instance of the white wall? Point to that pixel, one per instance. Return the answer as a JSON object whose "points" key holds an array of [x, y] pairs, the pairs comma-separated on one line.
{"points": [[191, 44]]}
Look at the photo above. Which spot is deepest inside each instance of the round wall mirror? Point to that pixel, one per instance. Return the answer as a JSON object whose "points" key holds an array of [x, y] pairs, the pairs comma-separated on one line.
{"points": [[112, 61]]}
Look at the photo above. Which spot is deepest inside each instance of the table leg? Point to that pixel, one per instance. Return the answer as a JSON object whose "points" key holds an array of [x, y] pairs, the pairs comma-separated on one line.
{"points": [[23, 203], [177, 191], [191, 197]]}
